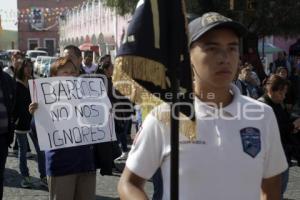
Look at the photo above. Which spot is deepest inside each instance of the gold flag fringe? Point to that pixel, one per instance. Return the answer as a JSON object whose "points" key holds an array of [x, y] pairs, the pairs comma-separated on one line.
{"points": [[187, 127], [143, 69], [127, 86]]}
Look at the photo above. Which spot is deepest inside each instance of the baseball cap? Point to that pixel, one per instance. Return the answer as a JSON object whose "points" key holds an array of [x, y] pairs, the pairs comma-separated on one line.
{"points": [[208, 21]]}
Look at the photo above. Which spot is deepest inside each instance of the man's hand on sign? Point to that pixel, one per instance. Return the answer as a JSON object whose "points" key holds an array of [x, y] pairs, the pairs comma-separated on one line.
{"points": [[32, 107]]}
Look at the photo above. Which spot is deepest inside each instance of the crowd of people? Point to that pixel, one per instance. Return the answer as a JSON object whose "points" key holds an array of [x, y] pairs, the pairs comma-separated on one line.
{"points": [[280, 90], [70, 173], [288, 70]]}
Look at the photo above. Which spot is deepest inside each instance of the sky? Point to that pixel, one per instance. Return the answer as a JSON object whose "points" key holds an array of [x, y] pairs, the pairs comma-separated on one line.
{"points": [[8, 12]]}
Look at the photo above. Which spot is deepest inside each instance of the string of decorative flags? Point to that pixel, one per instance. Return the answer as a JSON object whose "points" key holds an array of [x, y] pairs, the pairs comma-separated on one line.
{"points": [[37, 17], [44, 29], [29, 15]]}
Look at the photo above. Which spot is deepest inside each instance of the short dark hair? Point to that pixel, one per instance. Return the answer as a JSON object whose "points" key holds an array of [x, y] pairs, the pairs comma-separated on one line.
{"points": [[276, 83], [102, 58], [88, 54], [106, 65], [102, 67], [282, 68], [20, 71], [76, 50]]}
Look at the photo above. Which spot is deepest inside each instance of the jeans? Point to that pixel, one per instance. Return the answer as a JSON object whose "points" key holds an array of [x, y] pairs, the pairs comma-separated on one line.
{"points": [[3, 156], [284, 182], [22, 141], [122, 135], [40, 154], [16, 146], [129, 126], [157, 185]]}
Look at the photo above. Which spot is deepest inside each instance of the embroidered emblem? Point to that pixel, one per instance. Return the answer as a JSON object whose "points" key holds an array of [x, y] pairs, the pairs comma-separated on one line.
{"points": [[251, 141], [212, 17]]}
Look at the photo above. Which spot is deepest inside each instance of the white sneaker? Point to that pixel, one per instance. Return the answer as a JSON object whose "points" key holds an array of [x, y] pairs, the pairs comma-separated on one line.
{"points": [[123, 156]]}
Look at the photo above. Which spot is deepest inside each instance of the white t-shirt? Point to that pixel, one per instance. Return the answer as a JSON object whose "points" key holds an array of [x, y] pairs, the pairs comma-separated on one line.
{"points": [[89, 69], [229, 158]]}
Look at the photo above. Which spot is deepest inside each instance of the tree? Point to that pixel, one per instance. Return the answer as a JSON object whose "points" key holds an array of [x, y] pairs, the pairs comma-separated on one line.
{"points": [[268, 17], [261, 17], [123, 7]]}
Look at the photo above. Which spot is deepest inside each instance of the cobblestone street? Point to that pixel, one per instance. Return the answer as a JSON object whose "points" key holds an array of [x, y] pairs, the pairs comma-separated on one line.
{"points": [[106, 185]]}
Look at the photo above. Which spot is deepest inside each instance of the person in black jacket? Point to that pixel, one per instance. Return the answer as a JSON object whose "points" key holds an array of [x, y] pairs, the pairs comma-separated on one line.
{"points": [[16, 61], [22, 119], [7, 100], [276, 88], [108, 151], [289, 100], [123, 108]]}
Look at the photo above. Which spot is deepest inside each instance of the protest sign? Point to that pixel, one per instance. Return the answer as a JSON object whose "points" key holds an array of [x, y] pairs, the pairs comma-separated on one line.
{"points": [[71, 112]]}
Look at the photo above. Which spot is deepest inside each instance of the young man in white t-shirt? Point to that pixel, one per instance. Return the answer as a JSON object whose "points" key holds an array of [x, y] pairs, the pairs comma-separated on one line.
{"points": [[237, 153]]}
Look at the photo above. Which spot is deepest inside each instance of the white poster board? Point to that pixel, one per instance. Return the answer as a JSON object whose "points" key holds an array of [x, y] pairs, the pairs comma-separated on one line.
{"points": [[71, 112]]}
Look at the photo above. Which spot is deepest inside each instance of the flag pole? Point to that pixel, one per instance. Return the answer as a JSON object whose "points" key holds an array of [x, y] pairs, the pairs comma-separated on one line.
{"points": [[174, 141], [174, 62]]}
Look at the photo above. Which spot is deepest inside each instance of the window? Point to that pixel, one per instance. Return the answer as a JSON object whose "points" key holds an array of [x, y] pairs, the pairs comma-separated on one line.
{"points": [[32, 43], [49, 43]]}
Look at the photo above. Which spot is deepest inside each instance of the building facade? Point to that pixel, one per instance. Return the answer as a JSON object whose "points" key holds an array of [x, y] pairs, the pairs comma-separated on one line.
{"points": [[8, 38], [38, 23], [93, 25]]}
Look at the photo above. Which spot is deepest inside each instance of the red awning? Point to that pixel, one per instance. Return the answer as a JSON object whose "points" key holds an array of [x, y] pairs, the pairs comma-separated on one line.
{"points": [[89, 47]]}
